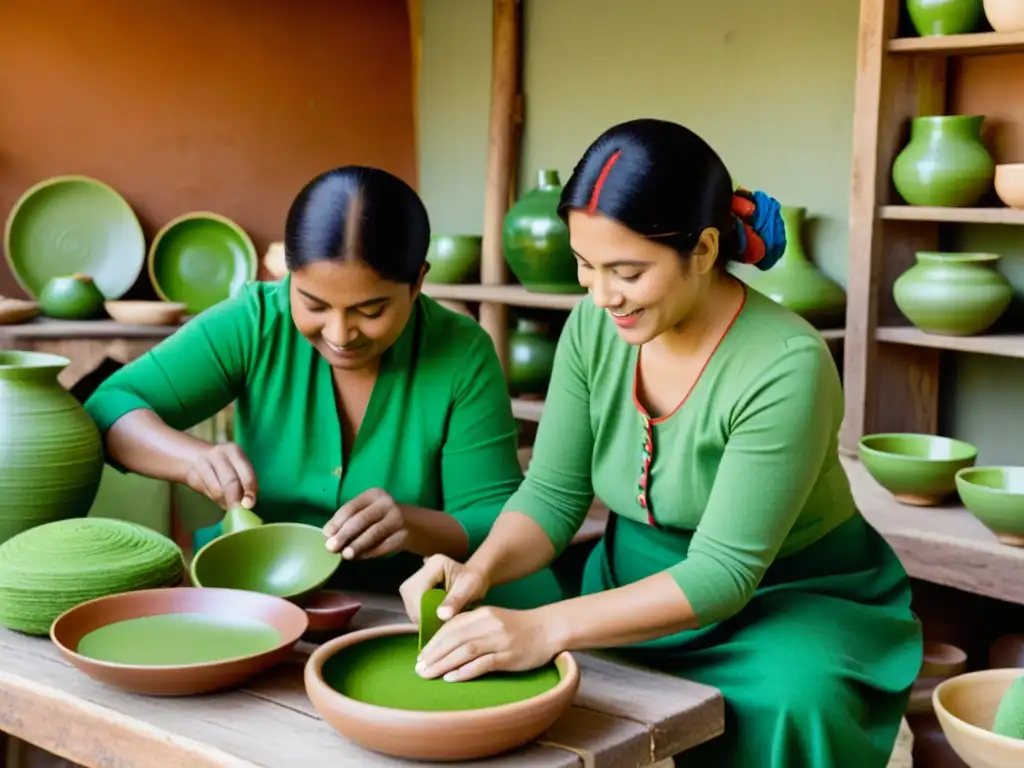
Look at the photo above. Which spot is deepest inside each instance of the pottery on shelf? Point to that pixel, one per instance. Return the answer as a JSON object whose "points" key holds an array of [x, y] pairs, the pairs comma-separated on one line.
{"points": [[531, 357], [14, 311], [945, 17], [365, 686], [966, 707], [916, 469], [995, 495], [1005, 15], [953, 294], [71, 297], [795, 282], [536, 240], [1009, 179], [51, 456], [453, 259], [145, 312], [945, 163]]}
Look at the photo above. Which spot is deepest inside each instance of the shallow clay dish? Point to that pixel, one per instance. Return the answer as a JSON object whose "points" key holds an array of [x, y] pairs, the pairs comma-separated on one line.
{"points": [[145, 312], [365, 686], [283, 559], [329, 611], [14, 311], [966, 707], [178, 641], [916, 469]]}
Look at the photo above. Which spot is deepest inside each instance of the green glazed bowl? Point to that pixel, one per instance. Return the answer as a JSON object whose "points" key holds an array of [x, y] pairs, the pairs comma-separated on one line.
{"points": [[453, 258], [287, 560], [995, 495], [916, 469]]}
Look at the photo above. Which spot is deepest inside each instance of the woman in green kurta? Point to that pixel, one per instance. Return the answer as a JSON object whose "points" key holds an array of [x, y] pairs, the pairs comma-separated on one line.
{"points": [[705, 416], [360, 405]]}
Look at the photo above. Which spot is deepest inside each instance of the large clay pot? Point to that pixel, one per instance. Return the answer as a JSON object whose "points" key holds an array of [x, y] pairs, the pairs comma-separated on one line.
{"points": [[51, 457], [945, 163], [953, 294], [453, 258], [536, 240], [794, 282], [531, 356], [945, 17]]}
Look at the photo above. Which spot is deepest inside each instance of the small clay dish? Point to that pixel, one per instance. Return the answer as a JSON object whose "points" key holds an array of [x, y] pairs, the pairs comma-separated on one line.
{"points": [[178, 641], [364, 684], [145, 312], [13, 311], [995, 495], [942, 660], [966, 706], [288, 560], [329, 611], [916, 469]]}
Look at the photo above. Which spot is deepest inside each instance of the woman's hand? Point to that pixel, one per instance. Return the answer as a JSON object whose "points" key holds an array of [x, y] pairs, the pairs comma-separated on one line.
{"points": [[224, 475], [463, 585], [370, 525]]}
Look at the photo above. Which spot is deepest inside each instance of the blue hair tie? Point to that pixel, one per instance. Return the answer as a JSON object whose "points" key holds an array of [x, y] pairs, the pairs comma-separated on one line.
{"points": [[759, 217]]}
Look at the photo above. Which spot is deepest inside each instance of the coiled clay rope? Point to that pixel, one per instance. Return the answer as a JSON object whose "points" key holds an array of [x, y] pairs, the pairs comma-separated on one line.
{"points": [[48, 569]]}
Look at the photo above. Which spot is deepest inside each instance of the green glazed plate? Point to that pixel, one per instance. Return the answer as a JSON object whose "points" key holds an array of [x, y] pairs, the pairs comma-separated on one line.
{"points": [[70, 224], [201, 259]]}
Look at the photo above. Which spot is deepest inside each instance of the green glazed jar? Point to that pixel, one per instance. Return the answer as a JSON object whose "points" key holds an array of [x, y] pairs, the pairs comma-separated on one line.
{"points": [[946, 17], [953, 294], [71, 297], [453, 259], [51, 458], [536, 240], [945, 163], [531, 357]]}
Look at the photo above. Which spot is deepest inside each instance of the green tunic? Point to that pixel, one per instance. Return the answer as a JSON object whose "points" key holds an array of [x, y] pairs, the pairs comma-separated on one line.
{"points": [[438, 432], [805, 614]]}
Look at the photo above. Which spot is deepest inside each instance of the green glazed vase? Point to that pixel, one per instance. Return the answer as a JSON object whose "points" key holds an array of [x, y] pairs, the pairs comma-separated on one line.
{"points": [[536, 241], [71, 297], [51, 458], [794, 282], [946, 17], [531, 356], [953, 294], [945, 163], [453, 259]]}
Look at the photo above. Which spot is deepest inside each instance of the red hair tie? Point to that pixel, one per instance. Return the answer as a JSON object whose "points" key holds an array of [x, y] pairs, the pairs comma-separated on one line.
{"points": [[752, 247]]}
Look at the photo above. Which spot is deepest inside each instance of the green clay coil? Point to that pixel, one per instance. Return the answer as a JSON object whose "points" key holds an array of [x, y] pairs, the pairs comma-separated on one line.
{"points": [[51, 568]]}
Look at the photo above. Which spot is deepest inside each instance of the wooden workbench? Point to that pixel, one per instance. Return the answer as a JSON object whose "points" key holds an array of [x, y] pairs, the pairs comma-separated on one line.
{"points": [[623, 716]]}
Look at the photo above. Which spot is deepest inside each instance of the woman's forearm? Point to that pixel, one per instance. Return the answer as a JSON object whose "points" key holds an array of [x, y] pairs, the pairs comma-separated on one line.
{"points": [[434, 533], [142, 443], [516, 547], [644, 610]]}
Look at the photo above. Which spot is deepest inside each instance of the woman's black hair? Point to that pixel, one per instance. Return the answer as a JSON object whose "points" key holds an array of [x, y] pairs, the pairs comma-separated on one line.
{"points": [[356, 212], [665, 182]]}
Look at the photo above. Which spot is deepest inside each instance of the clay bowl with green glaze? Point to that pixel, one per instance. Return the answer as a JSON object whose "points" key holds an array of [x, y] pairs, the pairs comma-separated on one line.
{"points": [[365, 686], [966, 706], [453, 258], [178, 641], [916, 469], [288, 560], [995, 495]]}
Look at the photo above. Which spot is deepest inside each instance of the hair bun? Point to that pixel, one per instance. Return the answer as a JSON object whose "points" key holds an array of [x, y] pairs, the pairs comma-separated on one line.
{"points": [[761, 229]]}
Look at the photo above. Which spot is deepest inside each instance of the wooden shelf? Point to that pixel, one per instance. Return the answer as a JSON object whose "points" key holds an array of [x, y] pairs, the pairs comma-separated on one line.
{"points": [[1000, 346], [1010, 216], [976, 44], [943, 545], [512, 295], [47, 328]]}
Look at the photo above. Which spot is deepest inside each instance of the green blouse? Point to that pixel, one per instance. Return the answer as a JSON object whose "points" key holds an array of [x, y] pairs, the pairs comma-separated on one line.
{"points": [[438, 431], [748, 463]]}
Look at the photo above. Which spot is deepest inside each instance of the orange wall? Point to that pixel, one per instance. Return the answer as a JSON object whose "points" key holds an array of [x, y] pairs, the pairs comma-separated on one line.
{"points": [[224, 105]]}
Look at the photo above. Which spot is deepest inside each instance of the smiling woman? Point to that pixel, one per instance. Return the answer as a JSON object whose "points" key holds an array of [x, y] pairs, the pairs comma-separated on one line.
{"points": [[362, 406]]}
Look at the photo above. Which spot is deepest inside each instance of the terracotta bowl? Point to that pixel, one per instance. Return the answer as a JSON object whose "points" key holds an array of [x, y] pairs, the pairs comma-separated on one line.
{"points": [[942, 660], [916, 469], [1009, 179], [995, 495], [244, 633], [14, 311], [966, 707], [330, 612], [145, 312], [283, 559], [463, 734]]}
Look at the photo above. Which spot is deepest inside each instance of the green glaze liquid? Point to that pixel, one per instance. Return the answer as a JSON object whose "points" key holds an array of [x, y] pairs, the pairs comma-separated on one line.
{"points": [[382, 672], [178, 638]]}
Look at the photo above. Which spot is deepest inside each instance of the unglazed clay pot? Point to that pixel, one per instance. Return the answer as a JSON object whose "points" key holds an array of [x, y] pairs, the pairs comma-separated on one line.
{"points": [[953, 294], [531, 357], [453, 259], [945, 17], [1005, 15], [51, 457], [794, 282], [966, 708], [945, 163], [421, 719], [536, 240], [72, 297]]}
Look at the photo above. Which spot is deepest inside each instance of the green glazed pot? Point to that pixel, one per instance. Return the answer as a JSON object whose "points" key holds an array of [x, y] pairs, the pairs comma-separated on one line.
{"points": [[71, 297], [946, 17], [945, 163], [995, 495], [51, 458], [916, 469], [453, 259], [531, 356], [794, 282], [953, 294], [536, 240]]}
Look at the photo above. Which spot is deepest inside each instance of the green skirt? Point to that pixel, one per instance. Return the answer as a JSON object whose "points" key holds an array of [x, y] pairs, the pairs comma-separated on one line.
{"points": [[815, 671]]}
